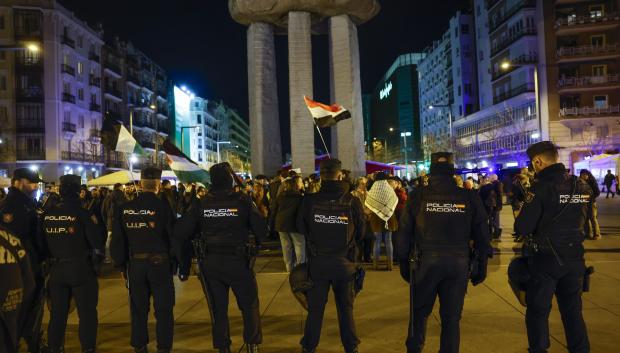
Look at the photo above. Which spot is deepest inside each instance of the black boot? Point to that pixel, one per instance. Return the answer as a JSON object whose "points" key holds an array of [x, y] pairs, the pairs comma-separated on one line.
{"points": [[225, 350], [252, 348], [306, 350], [144, 349], [89, 350]]}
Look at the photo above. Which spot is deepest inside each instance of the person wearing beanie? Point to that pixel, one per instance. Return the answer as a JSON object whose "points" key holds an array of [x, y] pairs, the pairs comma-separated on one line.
{"points": [[333, 222], [141, 248], [75, 247], [221, 225], [552, 220], [438, 224]]}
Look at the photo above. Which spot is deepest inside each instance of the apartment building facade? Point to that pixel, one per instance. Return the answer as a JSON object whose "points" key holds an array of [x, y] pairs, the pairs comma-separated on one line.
{"points": [[448, 84], [234, 129], [204, 136], [50, 97], [582, 62]]}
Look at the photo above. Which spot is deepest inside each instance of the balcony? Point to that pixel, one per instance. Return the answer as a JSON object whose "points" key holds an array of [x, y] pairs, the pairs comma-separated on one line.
{"points": [[94, 81], [74, 156], [110, 90], [587, 83], [575, 24], [95, 135], [587, 52], [68, 97], [517, 63], [133, 78], [93, 57], [147, 84], [30, 94], [504, 16], [508, 40], [163, 129], [68, 127], [113, 67], [94, 107], [30, 125], [491, 3], [30, 155], [589, 111], [67, 69], [28, 63], [66, 40], [528, 87], [29, 31]]}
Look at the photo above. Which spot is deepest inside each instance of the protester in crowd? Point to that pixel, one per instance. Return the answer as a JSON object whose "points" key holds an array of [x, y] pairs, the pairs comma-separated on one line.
{"points": [[166, 192], [258, 196], [520, 185], [382, 201], [283, 220], [608, 182], [108, 210], [591, 227], [361, 192], [314, 185], [459, 181]]}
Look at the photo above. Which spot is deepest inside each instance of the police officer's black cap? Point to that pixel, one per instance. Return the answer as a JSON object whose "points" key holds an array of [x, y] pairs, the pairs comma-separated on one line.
{"points": [[71, 180], [442, 157], [28, 174], [540, 148], [221, 177], [150, 173]]}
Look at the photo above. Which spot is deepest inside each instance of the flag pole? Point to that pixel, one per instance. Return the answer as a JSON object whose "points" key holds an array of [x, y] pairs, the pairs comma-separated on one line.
{"points": [[322, 139]]}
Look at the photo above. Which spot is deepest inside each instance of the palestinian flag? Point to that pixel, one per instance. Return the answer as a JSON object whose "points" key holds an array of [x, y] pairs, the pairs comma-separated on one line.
{"points": [[186, 170], [326, 115], [117, 138]]}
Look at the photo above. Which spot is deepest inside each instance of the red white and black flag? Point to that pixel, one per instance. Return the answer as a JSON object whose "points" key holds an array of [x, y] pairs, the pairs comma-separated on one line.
{"points": [[326, 115]]}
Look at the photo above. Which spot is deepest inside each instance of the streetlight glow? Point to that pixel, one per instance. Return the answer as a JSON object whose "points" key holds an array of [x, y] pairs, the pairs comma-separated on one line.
{"points": [[133, 159], [34, 168], [33, 48], [535, 135], [391, 129], [505, 65], [430, 107], [152, 106]]}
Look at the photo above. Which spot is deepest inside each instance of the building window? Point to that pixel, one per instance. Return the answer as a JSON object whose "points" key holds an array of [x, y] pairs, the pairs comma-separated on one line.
{"points": [[93, 98], [199, 156], [599, 70], [4, 116], [600, 101], [67, 117], [199, 119], [459, 91], [79, 41], [465, 29], [467, 88], [81, 121], [80, 67], [1, 22], [66, 87], [2, 82], [597, 11], [597, 40], [81, 94], [456, 32]]}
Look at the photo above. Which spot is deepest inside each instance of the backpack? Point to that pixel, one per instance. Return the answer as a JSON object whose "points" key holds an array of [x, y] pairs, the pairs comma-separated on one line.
{"points": [[331, 231]]}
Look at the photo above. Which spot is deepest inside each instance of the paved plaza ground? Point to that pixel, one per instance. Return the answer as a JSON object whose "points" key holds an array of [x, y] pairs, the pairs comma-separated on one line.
{"points": [[493, 321]]}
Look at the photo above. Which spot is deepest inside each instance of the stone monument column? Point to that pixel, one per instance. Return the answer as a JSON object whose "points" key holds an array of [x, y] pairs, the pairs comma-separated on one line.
{"points": [[300, 84], [346, 90], [263, 99]]}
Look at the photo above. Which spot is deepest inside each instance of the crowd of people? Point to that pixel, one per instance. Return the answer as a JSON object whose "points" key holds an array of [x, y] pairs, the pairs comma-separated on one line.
{"points": [[433, 227]]}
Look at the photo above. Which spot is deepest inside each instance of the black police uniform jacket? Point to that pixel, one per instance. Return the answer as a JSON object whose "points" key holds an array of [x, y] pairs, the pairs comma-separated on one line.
{"points": [[19, 216], [549, 194], [223, 219], [325, 265], [16, 285], [71, 232], [142, 225], [442, 218]]}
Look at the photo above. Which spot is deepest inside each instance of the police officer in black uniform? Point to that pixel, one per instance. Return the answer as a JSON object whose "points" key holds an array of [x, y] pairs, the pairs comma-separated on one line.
{"points": [[221, 224], [552, 220], [333, 222], [76, 252], [436, 229], [141, 246], [16, 289], [19, 215]]}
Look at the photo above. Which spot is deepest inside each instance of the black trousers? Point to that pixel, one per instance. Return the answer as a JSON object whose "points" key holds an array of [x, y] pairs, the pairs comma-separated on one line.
{"points": [[446, 277], [32, 315], [317, 298], [221, 273], [566, 282], [145, 280], [75, 279]]}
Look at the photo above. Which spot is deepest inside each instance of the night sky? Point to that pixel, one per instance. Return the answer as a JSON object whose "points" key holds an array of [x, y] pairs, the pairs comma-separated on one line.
{"points": [[199, 45]]}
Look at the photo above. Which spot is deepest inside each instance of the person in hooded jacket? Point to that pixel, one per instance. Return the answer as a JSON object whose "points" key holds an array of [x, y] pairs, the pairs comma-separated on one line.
{"points": [[283, 220]]}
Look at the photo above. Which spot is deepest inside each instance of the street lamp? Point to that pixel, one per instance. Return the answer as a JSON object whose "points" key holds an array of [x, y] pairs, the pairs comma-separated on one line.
{"points": [[404, 135], [507, 65], [218, 143], [385, 147]]}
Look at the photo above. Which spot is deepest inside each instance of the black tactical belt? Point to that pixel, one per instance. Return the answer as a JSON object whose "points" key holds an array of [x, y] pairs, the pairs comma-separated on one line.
{"points": [[150, 256]]}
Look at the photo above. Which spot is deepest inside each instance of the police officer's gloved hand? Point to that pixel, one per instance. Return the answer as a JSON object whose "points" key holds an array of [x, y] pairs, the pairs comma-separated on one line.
{"points": [[479, 277], [404, 270]]}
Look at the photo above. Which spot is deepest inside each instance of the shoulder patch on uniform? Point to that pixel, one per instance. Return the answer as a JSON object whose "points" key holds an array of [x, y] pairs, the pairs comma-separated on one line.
{"points": [[529, 196], [94, 219], [7, 218]]}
